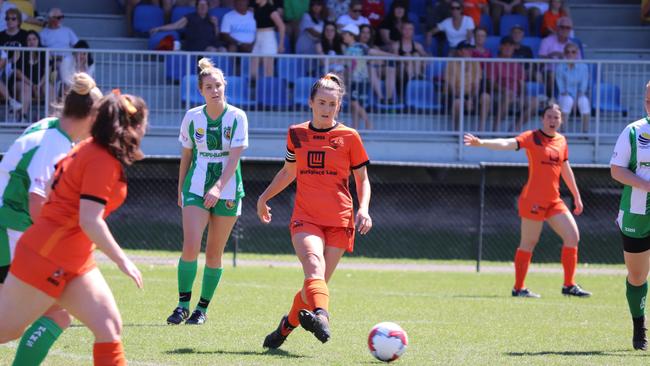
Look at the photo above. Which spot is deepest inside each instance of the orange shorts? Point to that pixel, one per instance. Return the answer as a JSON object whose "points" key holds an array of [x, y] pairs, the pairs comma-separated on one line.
{"points": [[339, 237], [39, 272], [541, 210]]}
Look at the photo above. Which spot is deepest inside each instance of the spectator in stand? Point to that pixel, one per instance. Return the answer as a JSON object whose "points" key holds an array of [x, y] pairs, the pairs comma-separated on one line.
{"points": [[294, 12], [549, 21], [505, 7], [78, 61], [357, 75], [268, 16], [507, 80], [456, 28], [311, 27], [238, 28], [374, 11], [29, 74], [56, 35], [5, 6], [553, 45], [474, 9], [521, 51], [201, 29], [353, 16], [377, 69], [167, 6], [406, 46], [389, 30], [474, 94], [479, 50], [331, 44], [645, 11], [13, 36], [336, 8], [572, 80], [14, 105], [437, 11]]}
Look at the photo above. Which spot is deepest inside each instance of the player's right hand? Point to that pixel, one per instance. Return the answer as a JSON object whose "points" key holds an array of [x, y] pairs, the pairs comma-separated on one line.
{"points": [[263, 212], [129, 269], [471, 140]]}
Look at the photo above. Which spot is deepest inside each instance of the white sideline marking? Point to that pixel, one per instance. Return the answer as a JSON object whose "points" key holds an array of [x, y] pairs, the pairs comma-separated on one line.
{"points": [[72, 356]]}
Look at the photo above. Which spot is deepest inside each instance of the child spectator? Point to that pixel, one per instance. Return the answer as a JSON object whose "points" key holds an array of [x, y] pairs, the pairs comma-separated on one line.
{"points": [[479, 50]]}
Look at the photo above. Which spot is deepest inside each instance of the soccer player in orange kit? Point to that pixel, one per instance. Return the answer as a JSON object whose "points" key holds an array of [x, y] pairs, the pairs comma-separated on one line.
{"points": [[321, 153], [548, 159], [54, 260]]}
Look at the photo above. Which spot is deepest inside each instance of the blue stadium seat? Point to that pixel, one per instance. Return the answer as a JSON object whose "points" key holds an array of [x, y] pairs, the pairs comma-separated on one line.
{"points": [[224, 63], [510, 20], [486, 23], [492, 44], [176, 66], [155, 38], [238, 91], [290, 69], [301, 91], [534, 89], [418, 7], [146, 17], [219, 12], [414, 18], [610, 98], [375, 104], [181, 11], [433, 49], [435, 71], [533, 43], [272, 93], [421, 96], [195, 96]]}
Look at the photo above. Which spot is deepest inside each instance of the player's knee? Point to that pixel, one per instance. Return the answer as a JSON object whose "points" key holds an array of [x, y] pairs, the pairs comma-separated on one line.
{"points": [[637, 277], [61, 317], [314, 265]]}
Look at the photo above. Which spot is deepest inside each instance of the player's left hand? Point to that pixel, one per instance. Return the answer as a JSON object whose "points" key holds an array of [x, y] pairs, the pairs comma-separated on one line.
{"points": [[211, 197], [578, 209], [363, 222]]}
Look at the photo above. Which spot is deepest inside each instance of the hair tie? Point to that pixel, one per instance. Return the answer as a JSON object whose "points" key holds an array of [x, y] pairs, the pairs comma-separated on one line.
{"points": [[126, 102]]}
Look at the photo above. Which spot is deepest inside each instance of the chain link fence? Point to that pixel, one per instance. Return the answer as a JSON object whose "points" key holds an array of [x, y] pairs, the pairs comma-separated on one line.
{"points": [[466, 212]]}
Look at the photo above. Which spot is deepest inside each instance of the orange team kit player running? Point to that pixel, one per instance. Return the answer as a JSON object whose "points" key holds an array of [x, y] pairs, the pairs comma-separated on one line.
{"points": [[548, 159], [320, 155]]}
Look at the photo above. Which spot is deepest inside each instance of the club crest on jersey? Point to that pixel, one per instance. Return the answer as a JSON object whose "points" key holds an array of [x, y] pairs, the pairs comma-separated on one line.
{"points": [[336, 142], [227, 132], [230, 204], [199, 134], [644, 139]]}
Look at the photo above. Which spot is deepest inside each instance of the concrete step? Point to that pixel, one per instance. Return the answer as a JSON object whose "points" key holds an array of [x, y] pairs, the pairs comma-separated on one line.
{"points": [[606, 14], [96, 25], [117, 43], [613, 37], [81, 6], [641, 54]]}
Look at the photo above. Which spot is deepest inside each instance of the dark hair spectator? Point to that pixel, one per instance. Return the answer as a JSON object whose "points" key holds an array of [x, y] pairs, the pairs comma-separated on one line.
{"points": [[311, 27], [479, 50], [390, 28], [379, 70], [353, 16], [201, 29], [456, 28], [29, 75], [79, 61], [238, 28]]}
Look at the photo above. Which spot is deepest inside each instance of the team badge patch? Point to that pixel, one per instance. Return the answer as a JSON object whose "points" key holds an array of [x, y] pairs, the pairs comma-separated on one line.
{"points": [[227, 133], [230, 204], [336, 142], [644, 139], [199, 134]]}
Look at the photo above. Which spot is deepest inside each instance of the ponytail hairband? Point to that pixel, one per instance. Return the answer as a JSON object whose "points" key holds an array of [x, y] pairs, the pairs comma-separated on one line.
{"points": [[126, 102]]}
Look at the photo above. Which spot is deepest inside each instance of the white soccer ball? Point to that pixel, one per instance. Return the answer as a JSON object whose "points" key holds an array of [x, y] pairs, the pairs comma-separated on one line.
{"points": [[387, 341]]}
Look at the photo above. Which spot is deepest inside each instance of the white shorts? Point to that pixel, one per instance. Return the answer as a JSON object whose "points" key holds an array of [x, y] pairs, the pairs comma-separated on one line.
{"points": [[266, 43], [566, 104], [12, 237]]}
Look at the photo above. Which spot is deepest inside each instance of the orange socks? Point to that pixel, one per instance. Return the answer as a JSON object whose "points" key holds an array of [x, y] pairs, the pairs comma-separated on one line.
{"points": [[318, 295], [298, 305], [569, 262], [109, 354], [522, 260]]}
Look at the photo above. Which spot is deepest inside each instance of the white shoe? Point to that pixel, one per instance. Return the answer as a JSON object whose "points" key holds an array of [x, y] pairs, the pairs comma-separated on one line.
{"points": [[14, 105]]}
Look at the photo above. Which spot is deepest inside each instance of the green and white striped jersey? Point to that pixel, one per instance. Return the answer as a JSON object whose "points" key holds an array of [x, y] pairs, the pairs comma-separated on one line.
{"points": [[211, 142], [27, 167], [632, 151]]}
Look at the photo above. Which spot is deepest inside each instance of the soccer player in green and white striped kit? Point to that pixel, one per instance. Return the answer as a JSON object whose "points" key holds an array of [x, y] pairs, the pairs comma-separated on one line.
{"points": [[25, 173], [630, 165], [210, 188]]}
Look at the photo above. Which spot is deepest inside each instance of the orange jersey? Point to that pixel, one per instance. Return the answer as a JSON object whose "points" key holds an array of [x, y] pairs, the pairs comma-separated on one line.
{"points": [[89, 172], [546, 155], [324, 161]]}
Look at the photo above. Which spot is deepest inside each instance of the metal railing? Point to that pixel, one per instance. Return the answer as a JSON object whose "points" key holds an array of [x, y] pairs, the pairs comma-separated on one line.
{"points": [[400, 94]]}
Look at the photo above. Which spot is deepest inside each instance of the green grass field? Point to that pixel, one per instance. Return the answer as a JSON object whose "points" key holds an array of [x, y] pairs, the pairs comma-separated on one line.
{"points": [[451, 318]]}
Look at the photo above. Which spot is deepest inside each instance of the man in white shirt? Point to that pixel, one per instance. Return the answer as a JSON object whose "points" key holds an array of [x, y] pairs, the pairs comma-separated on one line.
{"points": [[238, 28], [353, 16], [56, 35]]}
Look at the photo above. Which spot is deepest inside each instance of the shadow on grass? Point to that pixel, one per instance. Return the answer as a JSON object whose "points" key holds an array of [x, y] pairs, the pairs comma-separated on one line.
{"points": [[274, 352], [615, 353]]}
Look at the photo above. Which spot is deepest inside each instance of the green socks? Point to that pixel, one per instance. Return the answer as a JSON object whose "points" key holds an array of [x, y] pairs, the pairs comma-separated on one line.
{"points": [[186, 275], [636, 298], [36, 342], [211, 277]]}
